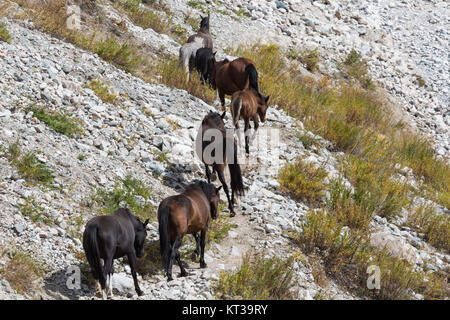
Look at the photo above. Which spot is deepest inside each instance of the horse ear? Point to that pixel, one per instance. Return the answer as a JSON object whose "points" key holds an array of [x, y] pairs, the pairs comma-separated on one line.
{"points": [[223, 114], [146, 222], [266, 99], [214, 54], [218, 189]]}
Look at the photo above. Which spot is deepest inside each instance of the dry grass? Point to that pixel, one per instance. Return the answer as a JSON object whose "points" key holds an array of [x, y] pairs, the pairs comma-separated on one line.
{"points": [[303, 181], [21, 271], [171, 75], [258, 278], [102, 91], [4, 33], [436, 227]]}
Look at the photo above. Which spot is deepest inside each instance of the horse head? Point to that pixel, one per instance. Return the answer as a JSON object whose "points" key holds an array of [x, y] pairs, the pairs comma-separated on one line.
{"points": [[212, 70], [262, 107], [204, 24], [140, 231]]}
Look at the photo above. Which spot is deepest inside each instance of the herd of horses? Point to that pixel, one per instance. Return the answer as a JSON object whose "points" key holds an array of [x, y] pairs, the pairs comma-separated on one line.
{"points": [[122, 234]]}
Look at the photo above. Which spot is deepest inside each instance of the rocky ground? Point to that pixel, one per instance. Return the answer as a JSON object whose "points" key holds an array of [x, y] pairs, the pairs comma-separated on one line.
{"points": [[127, 137]]}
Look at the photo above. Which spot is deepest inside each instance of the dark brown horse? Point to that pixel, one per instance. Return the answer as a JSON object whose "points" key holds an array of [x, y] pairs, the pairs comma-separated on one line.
{"points": [[248, 105], [214, 145], [186, 213], [231, 76], [111, 237]]}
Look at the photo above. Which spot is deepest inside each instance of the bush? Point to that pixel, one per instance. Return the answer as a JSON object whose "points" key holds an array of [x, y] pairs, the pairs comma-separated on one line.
{"points": [[258, 279], [436, 227], [303, 181], [28, 165], [60, 122], [145, 18], [4, 33], [102, 91], [126, 190], [21, 271]]}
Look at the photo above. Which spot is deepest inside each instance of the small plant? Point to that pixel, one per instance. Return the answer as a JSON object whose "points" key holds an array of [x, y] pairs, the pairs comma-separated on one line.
{"points": [[4, 33], [355, 67], [303, 181], [258, 279], [219, 228], [190, 20], [21, 271], [195, 4], [161, 156], [57, 121], [143, 17], [81, 157], [435, 227], [122, 55], [34, 211], [419, 80], [173, 123], [28, 165], [129, 190], [102, 91], [308, 140]]}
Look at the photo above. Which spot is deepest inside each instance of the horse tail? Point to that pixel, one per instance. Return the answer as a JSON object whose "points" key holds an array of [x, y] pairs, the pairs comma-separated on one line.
{"points": [[164, 213], [93, 254], [252, 76], [237, 186], [236, 110]]}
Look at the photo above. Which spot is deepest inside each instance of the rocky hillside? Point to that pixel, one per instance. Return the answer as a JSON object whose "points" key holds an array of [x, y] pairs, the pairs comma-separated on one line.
{"points": [[77, 133]]}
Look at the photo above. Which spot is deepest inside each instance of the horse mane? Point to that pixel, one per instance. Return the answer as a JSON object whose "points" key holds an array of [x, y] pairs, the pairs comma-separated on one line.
{"points": [[206, 187]]}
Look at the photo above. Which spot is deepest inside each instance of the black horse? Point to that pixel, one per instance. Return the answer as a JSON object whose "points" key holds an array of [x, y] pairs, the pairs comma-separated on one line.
{"points": [[112, 237], [203, 57]]}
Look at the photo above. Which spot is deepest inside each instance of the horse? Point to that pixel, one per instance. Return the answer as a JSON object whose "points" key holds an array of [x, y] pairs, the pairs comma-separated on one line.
{"points": [[231, 76], [202, 63], [248, 105], [212, 124], [202, 39], [112, 237], [186, 213]]}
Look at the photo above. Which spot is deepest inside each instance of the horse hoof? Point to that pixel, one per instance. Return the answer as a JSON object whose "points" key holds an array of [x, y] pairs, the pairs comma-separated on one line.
{"points": [[184, 274], [139, 292], [203, 265], [232, 214]]}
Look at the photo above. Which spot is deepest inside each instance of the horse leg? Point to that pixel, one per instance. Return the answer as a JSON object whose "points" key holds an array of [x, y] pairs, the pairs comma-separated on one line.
{"points": [[202, 244], [246, 133], [208, 173], [107, 275], [255, 126], [225, 188], [197, 247], [109, 292], [180, 263], [222, 99], [132, 262], [173, 253]]}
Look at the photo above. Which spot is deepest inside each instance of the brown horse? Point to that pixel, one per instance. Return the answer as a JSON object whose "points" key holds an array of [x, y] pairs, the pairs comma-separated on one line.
{"points": [[188, 212], [213, 146], [248, 105], [231, 76]]}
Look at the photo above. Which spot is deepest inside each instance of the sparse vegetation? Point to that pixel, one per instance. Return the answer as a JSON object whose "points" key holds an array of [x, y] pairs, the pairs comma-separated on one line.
{"points": [[255, 280], [195, 4], [102, 91], [32, 209], [172, 76], [308, 140], [21, 271], [5, 36], [81, 157], [219, 228], [132, 192], [28, 165], [355, 67], [436, 227], [310, 58], [303, 181], [60, 122]]}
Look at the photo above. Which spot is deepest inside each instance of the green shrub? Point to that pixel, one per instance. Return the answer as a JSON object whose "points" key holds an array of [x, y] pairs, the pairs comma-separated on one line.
{"points": [[4, 33], [303, 181], [258, 279], [125, 190], [60, 122], [34, 210], [102, 91]]}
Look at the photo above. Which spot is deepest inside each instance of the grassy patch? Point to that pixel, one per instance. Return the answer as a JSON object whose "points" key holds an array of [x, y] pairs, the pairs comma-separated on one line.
{"points": [[60, 122], [102, 91], [129, 190], [308, 140], [310, 58], [303, 181], [219, 228], [21, 271], [171, 75], [32, 209], [436, 227], [151, 263], [29, 167], [4, 33], [258, 279], [195, 4]]}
